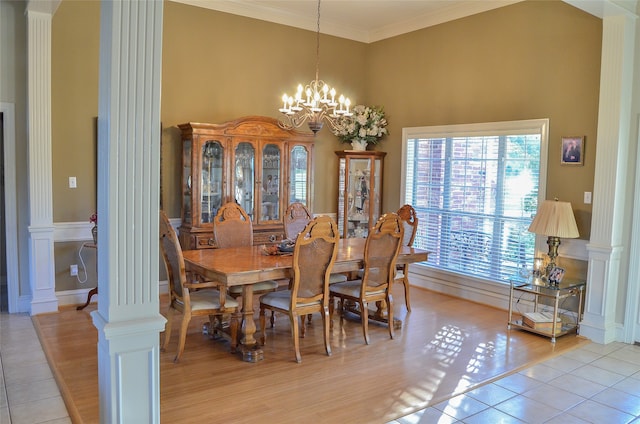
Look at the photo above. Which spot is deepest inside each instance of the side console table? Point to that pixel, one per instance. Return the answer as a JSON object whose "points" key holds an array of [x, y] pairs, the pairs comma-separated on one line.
{"points": [[543, 295], [94, 290]]}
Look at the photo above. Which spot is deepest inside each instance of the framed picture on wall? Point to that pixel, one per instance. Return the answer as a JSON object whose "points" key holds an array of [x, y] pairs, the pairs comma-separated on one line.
{"points": [[572, 150]]}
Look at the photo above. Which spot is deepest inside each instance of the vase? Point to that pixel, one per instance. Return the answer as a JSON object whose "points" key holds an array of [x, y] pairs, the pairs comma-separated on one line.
{"points": [[94, 234], [359, 145]]}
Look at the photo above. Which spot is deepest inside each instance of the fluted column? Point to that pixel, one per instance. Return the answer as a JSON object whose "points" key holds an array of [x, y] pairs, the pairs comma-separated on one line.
{"points": [[128, 318], [607, 244], [41, 257]]}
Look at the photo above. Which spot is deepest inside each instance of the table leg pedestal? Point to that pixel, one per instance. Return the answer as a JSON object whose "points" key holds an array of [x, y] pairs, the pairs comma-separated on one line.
{"points": [[249, 348]]}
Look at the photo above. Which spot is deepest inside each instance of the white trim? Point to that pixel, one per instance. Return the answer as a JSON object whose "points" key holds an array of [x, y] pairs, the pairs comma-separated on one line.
{"points": [[337, 24], [81, 231], [10, 206], [79, 296]]}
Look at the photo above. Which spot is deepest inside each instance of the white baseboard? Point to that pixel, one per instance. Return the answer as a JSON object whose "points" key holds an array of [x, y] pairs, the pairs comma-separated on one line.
{"points": [[485, 292], [79, 296]]}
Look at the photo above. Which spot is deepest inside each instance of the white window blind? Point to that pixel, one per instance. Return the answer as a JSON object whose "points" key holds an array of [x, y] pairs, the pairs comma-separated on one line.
{"points": [[476, 188]]}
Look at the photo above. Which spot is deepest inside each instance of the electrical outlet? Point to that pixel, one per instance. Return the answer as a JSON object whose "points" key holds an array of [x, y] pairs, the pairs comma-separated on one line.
{"points": [[73, 270]]}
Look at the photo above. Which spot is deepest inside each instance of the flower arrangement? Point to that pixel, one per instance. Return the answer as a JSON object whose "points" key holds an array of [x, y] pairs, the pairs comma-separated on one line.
{"points": [[366, 124], [94, 219]]}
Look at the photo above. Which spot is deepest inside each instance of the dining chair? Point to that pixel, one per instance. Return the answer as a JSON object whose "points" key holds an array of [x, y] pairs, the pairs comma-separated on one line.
{"points": [[232, 227], [191, 298], [296, 217], [313, 257], [380, 253], [409, 220]]}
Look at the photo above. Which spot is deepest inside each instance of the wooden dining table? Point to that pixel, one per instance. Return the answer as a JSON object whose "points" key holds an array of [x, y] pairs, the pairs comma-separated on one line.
{"points": [[247, 265]]}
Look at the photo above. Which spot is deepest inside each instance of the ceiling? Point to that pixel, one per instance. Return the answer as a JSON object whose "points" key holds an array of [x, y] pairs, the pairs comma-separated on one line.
{"points": [[360, 20]]}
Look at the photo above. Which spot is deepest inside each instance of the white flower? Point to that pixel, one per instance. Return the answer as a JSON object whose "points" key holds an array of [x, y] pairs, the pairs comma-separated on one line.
{"points": [[366, 123]]}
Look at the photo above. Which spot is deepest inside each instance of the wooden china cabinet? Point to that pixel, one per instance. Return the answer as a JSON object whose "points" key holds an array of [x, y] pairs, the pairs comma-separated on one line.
{"points": [[251, 161], [359, 191]]}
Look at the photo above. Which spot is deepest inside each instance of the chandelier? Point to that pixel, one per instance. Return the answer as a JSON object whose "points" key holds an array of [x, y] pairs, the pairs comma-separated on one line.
{"points": [[315, 102]]}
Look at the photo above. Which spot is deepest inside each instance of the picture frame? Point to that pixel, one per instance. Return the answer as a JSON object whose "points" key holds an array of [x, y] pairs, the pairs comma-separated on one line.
{"points": [[556, 274], [572, 152]]}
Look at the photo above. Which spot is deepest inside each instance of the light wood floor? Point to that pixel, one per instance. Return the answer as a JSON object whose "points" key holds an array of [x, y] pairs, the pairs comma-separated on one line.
{"points": [[446, 346]]}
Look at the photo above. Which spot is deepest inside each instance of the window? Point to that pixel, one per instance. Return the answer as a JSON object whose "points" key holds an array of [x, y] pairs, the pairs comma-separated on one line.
{"points": [[476, 188]]}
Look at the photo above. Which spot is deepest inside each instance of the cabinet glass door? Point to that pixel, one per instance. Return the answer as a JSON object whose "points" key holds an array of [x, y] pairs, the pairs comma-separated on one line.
{"points": [[271, 157], [244, 177], [359, 183], [298, 178], [211, 183], [186, 181]]}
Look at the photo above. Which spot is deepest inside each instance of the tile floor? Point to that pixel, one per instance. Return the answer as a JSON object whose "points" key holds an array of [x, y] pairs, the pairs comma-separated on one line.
{"points": [[593, 384], [28, 392]]}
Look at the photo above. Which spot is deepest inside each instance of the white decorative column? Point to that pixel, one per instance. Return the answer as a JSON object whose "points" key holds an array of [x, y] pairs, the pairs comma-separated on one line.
{"points": [[606, 245], [41, 257], [128, 318]]}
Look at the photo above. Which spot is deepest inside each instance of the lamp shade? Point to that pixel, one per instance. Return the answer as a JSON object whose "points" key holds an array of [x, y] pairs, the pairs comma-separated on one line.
{"points": [[555, 219]]}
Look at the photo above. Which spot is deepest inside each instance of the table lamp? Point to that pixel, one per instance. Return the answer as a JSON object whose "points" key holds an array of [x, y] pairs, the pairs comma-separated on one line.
{"points": [[555, 220]]}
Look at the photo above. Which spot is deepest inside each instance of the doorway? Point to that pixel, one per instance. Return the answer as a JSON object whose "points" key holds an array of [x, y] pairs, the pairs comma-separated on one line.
{"points": [[9, 292], [4, 296]]}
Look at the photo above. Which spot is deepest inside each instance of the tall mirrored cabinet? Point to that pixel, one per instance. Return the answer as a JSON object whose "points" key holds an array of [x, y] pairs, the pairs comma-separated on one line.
{"points": [[250, 161], [359, 191]]}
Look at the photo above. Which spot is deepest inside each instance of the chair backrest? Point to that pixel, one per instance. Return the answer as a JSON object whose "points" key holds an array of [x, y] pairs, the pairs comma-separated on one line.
{"points": [[296, 217], [172, 255], [313, 257], [381, 251], [410, 223], [232, 226]]}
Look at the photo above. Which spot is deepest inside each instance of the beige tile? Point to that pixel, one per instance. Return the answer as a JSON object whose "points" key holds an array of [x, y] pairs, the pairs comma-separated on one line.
{"points": [[492, 416], [622, 401], [39, 411], [604, 349], [618, 366], [542, 372], [427, 416], [29, 392], [461, 406], [629, 353], [518, 383], [4, 415], [563, 363], [598, 375], [577, 385], [527, 410], [27, 374], [629, 385], [595, 412], [4, 402], [582, 355], [491, 394], [565, 418], [554, 397]]}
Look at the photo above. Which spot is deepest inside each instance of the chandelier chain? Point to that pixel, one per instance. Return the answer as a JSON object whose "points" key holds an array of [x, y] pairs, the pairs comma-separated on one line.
{"points": [[316, 102], [318, 43]]}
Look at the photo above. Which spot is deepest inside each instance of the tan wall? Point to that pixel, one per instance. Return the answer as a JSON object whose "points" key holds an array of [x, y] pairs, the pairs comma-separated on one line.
{"points": [[529, 60]]}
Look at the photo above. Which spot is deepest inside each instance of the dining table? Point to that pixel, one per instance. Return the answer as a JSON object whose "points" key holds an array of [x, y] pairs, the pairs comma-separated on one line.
{"points": [[251, 264]]}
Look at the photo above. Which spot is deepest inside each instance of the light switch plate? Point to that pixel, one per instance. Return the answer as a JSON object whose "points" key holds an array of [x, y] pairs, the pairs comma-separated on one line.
{"points": [[72, 182], [587, 197]]}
